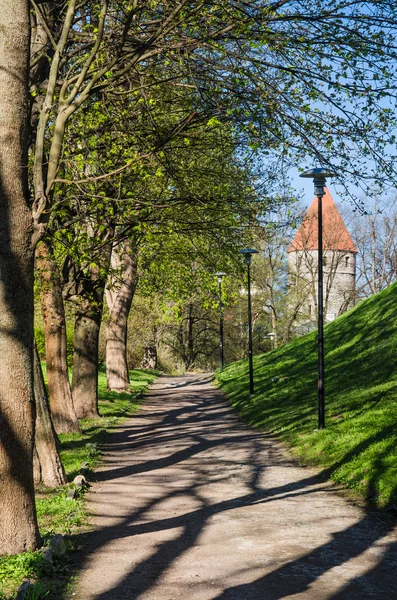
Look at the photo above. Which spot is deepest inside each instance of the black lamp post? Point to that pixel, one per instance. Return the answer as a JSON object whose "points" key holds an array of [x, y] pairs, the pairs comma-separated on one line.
{"points": [[248, 252], [220, 276], [319, 179]]}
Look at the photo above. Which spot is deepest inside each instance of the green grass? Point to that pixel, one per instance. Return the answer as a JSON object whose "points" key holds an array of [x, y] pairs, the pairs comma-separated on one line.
{"points": [[56, 513], [358, 448]]}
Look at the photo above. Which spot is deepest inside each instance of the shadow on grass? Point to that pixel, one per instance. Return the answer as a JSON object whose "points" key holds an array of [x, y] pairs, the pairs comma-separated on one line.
{"points": [[360, 392]]}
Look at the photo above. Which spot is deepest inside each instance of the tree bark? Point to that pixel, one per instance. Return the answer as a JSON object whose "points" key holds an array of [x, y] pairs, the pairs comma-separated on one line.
{"points": [[89, 288], [18, 523], [51, 471], [119, 297], [85, 364], [61, 403]]}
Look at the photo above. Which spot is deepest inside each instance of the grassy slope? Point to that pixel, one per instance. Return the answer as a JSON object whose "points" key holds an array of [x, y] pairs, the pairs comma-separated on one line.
{"points": [[359, 445], [57, 514]]}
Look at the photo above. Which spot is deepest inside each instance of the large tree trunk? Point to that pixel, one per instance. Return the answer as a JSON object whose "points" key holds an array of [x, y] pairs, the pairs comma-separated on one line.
{"points": [[61, 403], [119, 295], [85, 364], [18, 523], [51, 470]]}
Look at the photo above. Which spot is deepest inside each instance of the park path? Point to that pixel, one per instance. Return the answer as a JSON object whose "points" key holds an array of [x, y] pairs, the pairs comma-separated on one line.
{"points": [[192, 504]]}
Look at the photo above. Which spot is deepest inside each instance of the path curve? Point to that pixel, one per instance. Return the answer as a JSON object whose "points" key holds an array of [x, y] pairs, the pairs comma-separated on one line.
{"points": [[192, 504]]}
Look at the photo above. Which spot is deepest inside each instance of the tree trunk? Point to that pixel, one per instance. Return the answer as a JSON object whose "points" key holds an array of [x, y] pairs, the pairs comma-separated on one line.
{"points": [[85, 364], [61, 403], [119, 297], [190, 339], [36, 468], [86, 292], [51, 470], [18, 523]]}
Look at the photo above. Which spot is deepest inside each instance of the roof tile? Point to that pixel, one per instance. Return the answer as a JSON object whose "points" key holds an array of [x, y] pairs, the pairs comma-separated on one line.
{"points": [[335, 234]]}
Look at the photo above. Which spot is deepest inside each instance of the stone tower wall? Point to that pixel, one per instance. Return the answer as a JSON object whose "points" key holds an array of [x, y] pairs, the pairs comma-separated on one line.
{"points": [[339, 280]]}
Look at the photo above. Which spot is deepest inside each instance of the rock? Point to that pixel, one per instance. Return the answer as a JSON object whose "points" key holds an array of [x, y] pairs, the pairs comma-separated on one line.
{"points": [[22, 590], [71, 494], [57, 545], [47, 553], [80, 481]]}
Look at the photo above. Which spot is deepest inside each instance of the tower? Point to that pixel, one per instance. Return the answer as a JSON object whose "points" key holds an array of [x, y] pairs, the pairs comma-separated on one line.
{"points": [[339, 264]]}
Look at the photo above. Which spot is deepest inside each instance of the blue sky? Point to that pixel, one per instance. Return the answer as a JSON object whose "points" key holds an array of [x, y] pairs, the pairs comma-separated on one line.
{"points": [[307, 187]]}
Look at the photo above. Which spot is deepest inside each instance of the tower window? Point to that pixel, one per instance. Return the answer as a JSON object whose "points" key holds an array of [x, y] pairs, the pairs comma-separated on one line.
{"points": [[347, 260], [324, 261]]}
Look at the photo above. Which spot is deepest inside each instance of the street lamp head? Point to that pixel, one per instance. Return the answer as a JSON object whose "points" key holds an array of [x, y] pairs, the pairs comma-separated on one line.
{"points": [[318, 173], [248, 252], [319, 177], [219, 275]]}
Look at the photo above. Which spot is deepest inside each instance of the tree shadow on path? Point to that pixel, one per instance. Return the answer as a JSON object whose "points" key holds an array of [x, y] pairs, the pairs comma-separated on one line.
{"points": [[184, 427]]}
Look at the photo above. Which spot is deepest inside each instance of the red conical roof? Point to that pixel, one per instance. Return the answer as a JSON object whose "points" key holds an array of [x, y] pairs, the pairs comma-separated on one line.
{"points": [[335, 234]]}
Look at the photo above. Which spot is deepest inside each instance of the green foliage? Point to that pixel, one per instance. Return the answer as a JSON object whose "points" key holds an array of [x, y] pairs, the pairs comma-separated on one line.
{"points": [[39, 336], [358, 448], [37, 592], [57, 514], [28, 565]]}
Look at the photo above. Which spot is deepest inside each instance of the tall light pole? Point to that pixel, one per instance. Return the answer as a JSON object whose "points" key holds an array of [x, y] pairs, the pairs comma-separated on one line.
{"points": [[319, 179], [248, 252], [220, 276]]}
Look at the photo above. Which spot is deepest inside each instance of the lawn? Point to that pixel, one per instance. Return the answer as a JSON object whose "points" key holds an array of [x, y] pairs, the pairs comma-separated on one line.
{"points": [[358, 448], [58, 514]]}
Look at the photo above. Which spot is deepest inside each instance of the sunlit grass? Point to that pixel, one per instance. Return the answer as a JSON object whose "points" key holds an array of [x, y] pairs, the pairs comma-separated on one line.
{"points": [[358, 448]]}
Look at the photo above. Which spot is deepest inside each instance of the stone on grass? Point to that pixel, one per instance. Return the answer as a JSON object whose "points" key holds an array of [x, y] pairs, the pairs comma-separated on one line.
{"points": [[72, 493], [80, 481], [47, 553], [57, 545], [22, 590]]}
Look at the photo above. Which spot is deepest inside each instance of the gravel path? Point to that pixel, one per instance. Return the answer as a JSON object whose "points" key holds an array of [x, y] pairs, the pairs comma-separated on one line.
{"points": [[191, 504]]}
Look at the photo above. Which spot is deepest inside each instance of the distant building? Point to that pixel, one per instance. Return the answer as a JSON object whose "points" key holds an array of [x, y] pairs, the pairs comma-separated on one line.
{"points": [[339, 264]]}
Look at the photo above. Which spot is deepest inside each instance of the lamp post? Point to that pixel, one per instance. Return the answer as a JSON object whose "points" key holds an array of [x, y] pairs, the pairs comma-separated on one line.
{"points": [[319, 180], [220, 276], [248, 252], [271, 336]]}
